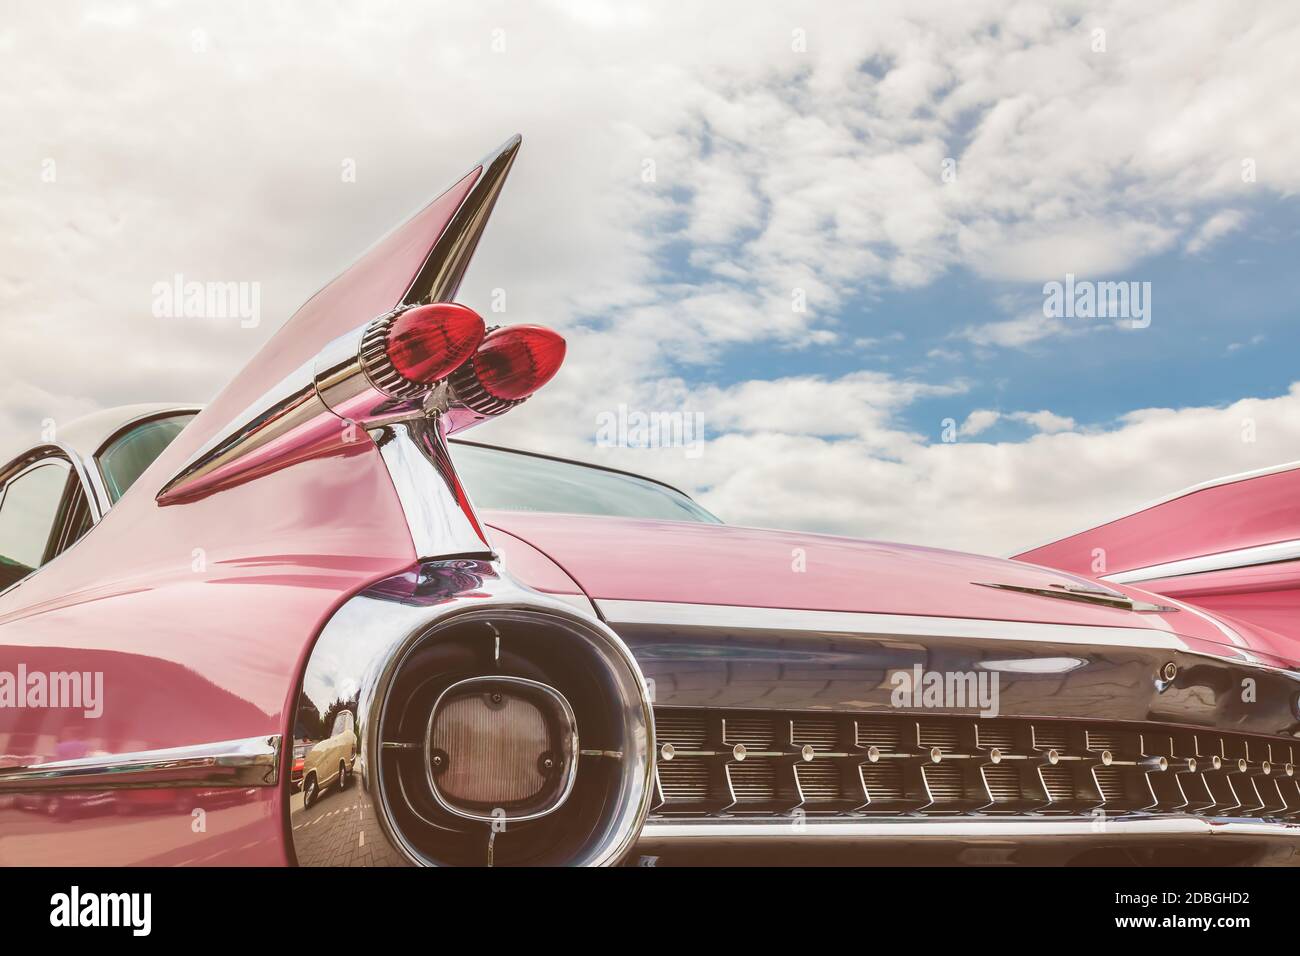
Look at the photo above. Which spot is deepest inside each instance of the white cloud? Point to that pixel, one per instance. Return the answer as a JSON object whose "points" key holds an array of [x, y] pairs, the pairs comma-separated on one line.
{"points": [[1045, 421], [209, 141], [987, 497], [1020, 332], [980, 420], [1217, 226]]}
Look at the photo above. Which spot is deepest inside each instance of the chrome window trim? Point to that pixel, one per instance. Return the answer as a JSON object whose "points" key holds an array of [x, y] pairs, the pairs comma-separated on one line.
{"points": [[894, 625], [1275, 553], [36, 457], [250, 762]]}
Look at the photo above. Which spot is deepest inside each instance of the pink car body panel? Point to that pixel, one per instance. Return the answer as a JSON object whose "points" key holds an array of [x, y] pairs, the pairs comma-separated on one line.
{"points": [[1266, 594], [631, 559], [199, 616], [1248, 512], [1239, 514]]}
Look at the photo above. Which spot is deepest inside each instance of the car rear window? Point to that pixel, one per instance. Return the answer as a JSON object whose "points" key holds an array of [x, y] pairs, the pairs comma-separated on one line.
{"points": [[503, 480]]}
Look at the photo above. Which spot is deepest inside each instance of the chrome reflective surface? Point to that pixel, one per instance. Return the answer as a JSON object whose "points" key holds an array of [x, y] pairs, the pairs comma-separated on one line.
{"points": [[738, 657], [1220, 561], [268, 432], [353, 666], [437, 508], [897, 625], [1010, 840], [252, 762], [1088, 595], [439, 279], [96, 498]]}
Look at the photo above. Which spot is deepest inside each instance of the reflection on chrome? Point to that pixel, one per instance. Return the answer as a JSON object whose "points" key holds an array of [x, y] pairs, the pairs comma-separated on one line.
{"points": [[385, 660], [254, 762]]}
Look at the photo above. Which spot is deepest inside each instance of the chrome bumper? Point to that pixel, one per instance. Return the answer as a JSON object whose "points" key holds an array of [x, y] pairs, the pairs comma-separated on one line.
{"points": [[993, 841]]}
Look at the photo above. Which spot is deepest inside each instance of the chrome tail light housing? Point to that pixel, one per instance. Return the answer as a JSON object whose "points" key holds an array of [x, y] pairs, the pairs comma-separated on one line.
{"points": [[497, 726]]}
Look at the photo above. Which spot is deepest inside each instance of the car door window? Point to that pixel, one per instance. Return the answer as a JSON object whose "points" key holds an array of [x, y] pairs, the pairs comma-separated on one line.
{"points": [[126, 458], [31, 531]]}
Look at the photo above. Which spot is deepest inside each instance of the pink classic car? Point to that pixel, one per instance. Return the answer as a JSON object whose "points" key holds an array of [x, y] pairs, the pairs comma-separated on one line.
{"points": [[304, 626]]}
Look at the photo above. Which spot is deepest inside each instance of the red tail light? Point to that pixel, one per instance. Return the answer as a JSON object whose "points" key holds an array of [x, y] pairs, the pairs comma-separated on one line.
{"points": [[513, 363], [429, 342]]}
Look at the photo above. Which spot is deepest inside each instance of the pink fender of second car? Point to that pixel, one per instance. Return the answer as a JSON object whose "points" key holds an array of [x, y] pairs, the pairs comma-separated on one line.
{"points": [[1231, 546], [297, 602]]}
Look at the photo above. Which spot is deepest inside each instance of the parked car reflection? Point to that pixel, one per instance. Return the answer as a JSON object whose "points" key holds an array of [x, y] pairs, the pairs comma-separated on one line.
{"points": [[328, 763]]}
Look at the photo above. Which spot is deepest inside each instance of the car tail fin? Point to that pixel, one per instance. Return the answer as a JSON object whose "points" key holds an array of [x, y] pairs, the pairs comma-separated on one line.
{"points": [[1231, 546], [379, 345]]}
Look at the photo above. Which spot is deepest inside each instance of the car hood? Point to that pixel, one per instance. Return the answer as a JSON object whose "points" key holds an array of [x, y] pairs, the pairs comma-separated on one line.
{"points": [[630, 559]]}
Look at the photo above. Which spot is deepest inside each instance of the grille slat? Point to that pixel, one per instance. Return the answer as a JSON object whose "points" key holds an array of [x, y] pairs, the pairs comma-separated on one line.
{"points": [[820, 783], [1003, 783], [821, 733]]}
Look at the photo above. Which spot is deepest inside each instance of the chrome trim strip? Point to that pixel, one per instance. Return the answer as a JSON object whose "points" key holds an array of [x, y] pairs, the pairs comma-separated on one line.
{"points": [[1192, 489], [893, 625], [251, 762], [579, 602], [289, 405], [798, 829], [1105, 597], [37, 454], [1222, 561]]}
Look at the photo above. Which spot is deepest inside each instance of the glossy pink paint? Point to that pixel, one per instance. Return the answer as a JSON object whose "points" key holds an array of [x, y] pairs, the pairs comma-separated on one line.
{"points": [[1241, 514], [1267, 595], [200, 615], [690, 563], [1246, 513]]}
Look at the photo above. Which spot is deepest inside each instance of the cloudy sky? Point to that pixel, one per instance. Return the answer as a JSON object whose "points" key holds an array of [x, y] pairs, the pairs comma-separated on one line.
{"points": [[820, 230]]}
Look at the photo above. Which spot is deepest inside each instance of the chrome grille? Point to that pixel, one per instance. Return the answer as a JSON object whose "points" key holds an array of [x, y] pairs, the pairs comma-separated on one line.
{"points": [[883, 783], [755, 733], [1110, 780], [897, 763], [819, 782], [1059, 782], [944, 735], [944, 781], [685, 731], [685, 779], [1003, 783], [880, 733], [820, 733]]}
